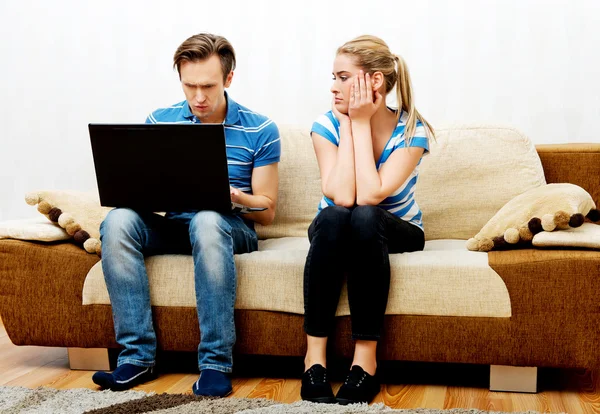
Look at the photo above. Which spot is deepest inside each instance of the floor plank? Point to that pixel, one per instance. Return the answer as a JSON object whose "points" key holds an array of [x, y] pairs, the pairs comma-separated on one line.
{"points": [[440, 386], [242, 387]]}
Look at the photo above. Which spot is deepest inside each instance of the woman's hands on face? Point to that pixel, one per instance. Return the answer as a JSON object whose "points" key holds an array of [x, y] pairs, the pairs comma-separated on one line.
{"points": [[342, 118], [363, 102]]}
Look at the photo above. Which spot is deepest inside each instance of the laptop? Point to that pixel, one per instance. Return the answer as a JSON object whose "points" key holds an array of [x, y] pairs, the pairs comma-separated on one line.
{"points": [[163, 167]]}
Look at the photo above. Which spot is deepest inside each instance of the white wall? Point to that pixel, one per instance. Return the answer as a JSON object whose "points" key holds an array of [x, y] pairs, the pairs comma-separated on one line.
{"points": [[526, 63]]}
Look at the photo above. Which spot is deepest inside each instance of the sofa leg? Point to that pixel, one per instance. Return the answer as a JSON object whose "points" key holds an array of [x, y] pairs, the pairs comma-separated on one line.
{"points": [[518, 379], [89, 359]]}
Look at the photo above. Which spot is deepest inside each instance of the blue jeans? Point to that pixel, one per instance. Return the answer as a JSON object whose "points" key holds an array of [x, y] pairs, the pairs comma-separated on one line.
{"points": [[212, 238]]}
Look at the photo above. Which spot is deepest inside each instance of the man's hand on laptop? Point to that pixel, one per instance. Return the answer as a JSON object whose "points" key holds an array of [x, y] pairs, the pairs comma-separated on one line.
{"points": [[237, 202], [263, 196], [235, 194]]}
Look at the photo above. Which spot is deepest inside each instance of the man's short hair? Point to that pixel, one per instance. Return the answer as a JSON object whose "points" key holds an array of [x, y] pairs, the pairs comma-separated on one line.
{"points": [[202, 46]]}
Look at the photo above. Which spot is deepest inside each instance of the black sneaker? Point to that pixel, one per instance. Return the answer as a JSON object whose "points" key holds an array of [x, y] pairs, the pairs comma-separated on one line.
{"points": [[359, 387], [315, 386]]}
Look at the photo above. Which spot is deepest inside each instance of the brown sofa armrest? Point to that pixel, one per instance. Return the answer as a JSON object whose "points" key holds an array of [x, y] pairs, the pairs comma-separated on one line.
{"points": [[41, 294], [573, 163], [550, 281]]}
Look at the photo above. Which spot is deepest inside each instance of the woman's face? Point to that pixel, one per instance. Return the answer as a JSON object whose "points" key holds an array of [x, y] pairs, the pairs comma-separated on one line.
{"points": [[344, 71]]}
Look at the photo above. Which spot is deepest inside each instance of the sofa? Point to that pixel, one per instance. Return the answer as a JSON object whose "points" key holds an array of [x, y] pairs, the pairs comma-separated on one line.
{"points": [[512, 309]]}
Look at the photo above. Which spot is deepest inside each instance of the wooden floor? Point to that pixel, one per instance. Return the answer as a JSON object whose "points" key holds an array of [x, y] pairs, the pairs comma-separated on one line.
{"points": [[407, 385]]}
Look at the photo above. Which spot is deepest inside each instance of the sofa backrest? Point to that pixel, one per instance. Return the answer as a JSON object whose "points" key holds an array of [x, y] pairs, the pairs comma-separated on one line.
{"points": [[471, 172], [299, 186]]}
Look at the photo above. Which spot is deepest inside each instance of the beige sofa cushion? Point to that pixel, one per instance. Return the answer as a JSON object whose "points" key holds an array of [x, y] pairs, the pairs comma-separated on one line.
{"points": [[299, 196], [37, 228], [587, 236], [471, 172], [549, 207], [445, 279], [78, 212], [299, 186]]}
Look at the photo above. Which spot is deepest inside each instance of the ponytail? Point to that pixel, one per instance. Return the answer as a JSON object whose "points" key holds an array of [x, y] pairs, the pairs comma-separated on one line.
{"points": [[404, 96], [372, 54]]}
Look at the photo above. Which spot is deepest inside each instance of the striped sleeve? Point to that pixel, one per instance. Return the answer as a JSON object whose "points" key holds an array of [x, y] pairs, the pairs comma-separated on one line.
{"points": [[418, 140], [150, 119], [268, 149], [328, 127]]}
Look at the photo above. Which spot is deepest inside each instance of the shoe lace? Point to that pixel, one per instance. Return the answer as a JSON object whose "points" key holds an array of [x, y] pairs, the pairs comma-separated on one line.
{"points": [[317, 375], [355, 377]]}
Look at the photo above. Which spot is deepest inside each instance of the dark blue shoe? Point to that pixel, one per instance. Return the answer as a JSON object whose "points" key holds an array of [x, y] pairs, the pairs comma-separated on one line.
{"points": [[124, 377], [212, 384]]}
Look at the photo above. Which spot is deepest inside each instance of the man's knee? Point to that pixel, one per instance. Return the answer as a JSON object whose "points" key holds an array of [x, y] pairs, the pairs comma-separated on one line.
{"points": [[208, 228], [209, 234], [120, 222]]}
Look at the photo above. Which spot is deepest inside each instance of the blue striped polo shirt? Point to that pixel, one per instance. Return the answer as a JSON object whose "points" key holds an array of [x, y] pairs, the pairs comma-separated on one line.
{"points": [[252, 139], [401, 202]]}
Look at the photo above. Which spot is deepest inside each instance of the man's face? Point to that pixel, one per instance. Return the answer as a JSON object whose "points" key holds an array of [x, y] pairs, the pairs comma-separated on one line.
{"points": [[204, 88]]}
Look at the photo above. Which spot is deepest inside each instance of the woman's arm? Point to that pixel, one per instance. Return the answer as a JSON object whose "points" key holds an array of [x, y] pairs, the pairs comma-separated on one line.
{"points": [[373, 186], [336, 164]]}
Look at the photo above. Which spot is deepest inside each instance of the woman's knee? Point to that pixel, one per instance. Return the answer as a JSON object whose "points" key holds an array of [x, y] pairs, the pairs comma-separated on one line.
{"points": [[367, 222], [334, 216], [333, 222]]}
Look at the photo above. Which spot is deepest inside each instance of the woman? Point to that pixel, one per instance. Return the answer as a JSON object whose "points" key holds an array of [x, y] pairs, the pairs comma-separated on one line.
{"points": [[368, 156]]}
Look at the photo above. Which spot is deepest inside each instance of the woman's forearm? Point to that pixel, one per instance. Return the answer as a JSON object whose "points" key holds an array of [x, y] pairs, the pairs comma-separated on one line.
{"points": [[341, 182], [368, 182]]}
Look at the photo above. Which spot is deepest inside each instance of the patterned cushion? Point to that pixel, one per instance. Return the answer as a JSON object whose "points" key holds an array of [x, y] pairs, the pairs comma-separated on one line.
{"points": [[548, 207], [79, 213]]}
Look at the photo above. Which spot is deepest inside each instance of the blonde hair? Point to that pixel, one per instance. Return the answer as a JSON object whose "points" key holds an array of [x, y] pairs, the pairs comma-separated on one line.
{"points": [[372, 54]]}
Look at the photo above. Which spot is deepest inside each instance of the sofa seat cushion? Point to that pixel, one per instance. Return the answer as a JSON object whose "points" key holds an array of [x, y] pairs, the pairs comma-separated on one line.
{"points": [[445, 280]]}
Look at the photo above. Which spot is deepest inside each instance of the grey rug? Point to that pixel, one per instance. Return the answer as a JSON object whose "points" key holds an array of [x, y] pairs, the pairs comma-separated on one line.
{"points": [[77, 401]]}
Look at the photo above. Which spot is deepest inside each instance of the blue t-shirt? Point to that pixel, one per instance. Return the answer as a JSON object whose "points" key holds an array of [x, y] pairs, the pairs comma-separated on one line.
{"points": [[252, 139], [401, 202]]}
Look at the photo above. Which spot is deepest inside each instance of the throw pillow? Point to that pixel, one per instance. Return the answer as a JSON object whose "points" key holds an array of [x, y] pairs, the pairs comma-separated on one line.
{"points": [[36, 229], [79, 213], [588, 236], [545, 208]]}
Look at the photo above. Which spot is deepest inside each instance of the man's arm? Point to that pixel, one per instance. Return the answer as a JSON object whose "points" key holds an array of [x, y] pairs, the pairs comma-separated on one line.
{"points": [[265, 184]]}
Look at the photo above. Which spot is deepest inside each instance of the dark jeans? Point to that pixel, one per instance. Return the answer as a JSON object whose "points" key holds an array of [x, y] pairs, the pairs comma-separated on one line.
{"points": [[354, 241]]}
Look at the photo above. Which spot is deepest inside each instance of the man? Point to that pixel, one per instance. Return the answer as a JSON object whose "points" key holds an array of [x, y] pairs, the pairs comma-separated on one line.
{"points": [[205, 64]]}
